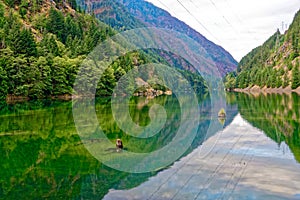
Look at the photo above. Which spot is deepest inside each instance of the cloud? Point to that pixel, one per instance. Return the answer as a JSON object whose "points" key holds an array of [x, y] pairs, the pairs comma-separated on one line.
{"points": [[238, 26]]}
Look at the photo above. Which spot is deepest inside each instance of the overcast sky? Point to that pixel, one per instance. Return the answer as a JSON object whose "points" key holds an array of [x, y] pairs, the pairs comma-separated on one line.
{"points": [[236, 25]]}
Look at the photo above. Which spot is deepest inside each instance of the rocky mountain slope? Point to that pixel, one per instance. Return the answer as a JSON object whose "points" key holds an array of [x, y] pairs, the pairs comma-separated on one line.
{"points": [[274, 64], [140, 13]]}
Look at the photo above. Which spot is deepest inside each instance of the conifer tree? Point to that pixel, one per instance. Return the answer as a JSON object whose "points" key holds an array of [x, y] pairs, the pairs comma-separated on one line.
{"points": [[295, 76], [24, 43], [56, 25]]}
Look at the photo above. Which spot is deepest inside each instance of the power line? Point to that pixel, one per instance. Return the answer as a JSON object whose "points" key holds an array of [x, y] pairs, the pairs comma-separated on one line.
{"points": [[233, 12], [198, 21], [226, 20], [219, 11], [240, 20]]}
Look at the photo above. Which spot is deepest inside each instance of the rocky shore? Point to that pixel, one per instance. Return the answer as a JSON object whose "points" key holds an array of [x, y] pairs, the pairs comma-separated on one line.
{"points": [[150, 92], [256, 89]]}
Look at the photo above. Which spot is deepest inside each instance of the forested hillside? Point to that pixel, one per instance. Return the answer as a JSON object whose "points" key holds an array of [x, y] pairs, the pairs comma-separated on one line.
{"points": [[274, 64], [43, 43], [129, 14], [111, 12]]}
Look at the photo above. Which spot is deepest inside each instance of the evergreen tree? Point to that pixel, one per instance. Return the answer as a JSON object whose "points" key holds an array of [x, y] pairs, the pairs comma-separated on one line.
{"points": [[295, 76], [3, 83], [10, 3], [273, 78], [49, 45], [56, 24], [24, 43], [60, 83], [106, 83], [6, 61], [17, 76], [23, 8], [42, 84], [73, 4], [230, 81], [285, 81], [2, 17]]}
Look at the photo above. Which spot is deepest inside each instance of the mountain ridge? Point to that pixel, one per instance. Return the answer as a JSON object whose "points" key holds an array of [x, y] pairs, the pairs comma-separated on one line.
{"points": [[274, 64], [154, 16], [141, 11]]}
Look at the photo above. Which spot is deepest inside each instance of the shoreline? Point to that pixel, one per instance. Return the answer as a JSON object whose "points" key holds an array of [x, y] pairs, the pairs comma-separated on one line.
{"points": [[14, 98], [257, 90], [11, 99]]}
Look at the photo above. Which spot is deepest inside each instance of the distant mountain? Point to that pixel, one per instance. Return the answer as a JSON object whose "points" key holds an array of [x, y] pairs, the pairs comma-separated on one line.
{"points": [[274, 64], [157, 17], [128, 14]]}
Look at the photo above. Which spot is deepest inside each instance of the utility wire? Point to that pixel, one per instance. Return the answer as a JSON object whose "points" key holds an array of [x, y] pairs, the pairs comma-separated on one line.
{"points": [[233, 12], [198, 21], [226, 20], [220, 12], [240, 20]]}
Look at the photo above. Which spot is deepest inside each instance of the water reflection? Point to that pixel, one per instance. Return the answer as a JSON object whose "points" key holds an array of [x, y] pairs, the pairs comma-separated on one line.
{"points": [[42, 155], [256, 154], [255, 157], [278, 115], [245, 164]]}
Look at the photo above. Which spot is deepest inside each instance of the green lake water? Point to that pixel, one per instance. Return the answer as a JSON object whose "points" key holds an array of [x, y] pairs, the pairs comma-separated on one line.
{"points": [[42, 155]]}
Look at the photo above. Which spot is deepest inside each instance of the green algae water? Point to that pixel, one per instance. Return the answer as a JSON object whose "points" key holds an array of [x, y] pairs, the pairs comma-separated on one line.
{"points": [[43, 157]]}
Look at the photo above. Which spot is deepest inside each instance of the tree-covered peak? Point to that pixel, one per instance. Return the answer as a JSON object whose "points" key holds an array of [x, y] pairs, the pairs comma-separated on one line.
{"points": [[274, 64]]}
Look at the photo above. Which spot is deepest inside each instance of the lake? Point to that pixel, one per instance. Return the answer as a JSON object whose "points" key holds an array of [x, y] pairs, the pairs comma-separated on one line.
{"points": [[254, 155]]}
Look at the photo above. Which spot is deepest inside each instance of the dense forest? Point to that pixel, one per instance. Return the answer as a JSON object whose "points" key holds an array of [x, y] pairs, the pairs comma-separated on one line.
{"points": [[43, 43], [274, 64], [44, 157]]}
